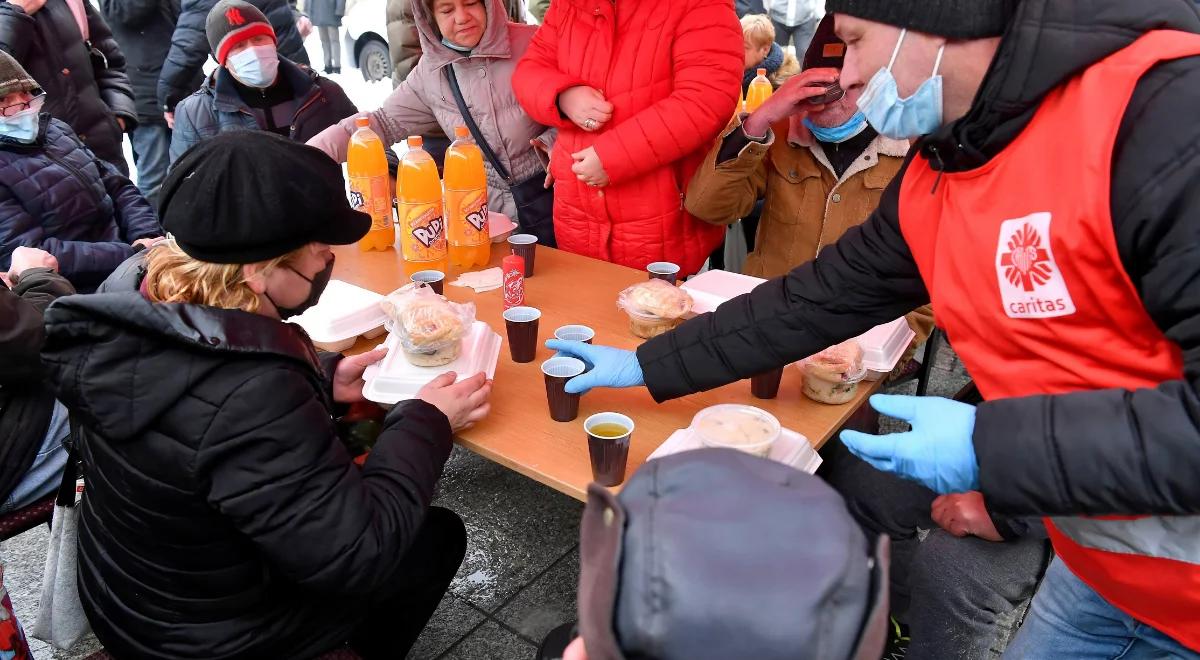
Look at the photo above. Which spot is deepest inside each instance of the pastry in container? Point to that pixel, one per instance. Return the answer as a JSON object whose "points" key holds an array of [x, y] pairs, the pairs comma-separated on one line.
{"points": [[430, 327], [654, 307], [832, 376]]}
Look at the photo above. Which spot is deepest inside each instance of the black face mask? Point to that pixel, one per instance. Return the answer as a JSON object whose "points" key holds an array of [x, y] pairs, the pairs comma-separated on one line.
{"points": [[318, 282]]}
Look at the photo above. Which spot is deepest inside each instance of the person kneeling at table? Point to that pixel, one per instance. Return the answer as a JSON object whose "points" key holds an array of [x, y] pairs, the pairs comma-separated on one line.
{"points": [[674, 568], [819, 170], [1072, 300], [222, 516]]}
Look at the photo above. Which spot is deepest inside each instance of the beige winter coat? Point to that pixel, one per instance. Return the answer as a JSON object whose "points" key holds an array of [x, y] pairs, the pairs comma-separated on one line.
{"points": [[423, 102]]}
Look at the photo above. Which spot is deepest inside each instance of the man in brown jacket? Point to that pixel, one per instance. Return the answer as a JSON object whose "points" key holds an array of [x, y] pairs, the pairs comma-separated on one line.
{"points": [[813, 187]]}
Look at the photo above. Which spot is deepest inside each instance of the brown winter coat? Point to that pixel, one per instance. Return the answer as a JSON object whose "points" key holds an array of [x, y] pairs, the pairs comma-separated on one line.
{"points": [[805, 206]]}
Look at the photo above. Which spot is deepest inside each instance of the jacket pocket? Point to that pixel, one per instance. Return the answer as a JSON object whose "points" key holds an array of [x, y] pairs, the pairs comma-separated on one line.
{"points": [[799, 193]]}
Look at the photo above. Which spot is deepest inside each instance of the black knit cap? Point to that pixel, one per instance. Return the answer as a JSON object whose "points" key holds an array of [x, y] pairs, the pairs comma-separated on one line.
{"points": [[231, 22], [251, 196], [953, 19]]}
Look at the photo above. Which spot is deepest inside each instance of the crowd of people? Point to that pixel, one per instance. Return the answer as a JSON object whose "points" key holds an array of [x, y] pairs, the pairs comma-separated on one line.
{"points": [[1018, 171]]}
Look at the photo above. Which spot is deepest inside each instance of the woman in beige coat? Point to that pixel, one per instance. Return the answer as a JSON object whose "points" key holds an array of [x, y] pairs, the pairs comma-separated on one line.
{"points": [[476, 38]]}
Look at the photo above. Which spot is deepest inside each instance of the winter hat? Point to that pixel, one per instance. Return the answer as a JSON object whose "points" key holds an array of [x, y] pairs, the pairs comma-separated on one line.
{"points": [[231, 22], [13, 77], [825, 50], [251, 196], [953, 19], [715, 554]]}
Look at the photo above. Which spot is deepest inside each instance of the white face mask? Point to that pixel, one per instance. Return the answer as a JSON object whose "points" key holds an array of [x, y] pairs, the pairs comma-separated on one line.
{"points": [[255, 66]]}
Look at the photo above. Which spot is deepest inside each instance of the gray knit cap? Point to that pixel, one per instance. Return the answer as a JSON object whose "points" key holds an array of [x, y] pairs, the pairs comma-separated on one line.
{"points": [[13, 77], [953, 19]]}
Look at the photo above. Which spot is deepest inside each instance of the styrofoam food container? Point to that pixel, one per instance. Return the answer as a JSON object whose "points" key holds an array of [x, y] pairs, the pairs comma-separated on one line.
{"points": [[500, 226], [883, 346], [396, 379], [343, 312], [708, 290]]}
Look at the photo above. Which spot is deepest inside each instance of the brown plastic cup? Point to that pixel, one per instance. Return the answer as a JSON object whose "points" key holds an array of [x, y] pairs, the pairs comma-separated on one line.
{"points": [[663, 270], [524, 246], [609, 453], [434, 279], [766, 385], [522, 325], [564, 407], [575, 333]]}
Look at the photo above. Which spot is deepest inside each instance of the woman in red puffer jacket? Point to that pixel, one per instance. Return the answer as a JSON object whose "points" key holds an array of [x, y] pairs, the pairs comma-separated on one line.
{"points": [[638, 91]]}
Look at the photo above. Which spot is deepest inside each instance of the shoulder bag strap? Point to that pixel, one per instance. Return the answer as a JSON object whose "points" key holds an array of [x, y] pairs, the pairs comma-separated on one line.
{"points": [[473, 127]]}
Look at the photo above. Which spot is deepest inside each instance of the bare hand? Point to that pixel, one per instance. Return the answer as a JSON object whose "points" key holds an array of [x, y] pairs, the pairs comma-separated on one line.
{"points": [[540, 146], [463, 403], [575, 650], [31, 7], [790, 99], [589, 168], [586, 107], [304, 26], [964, 514], [348, 376], [121, 123], [24, 258], [170, 117], [148, 243]]}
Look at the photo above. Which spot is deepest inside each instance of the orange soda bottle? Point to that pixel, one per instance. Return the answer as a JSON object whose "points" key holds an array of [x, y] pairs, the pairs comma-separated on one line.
{"points": [[369, 192], [759, 91], [422, 227], [466, 202]]}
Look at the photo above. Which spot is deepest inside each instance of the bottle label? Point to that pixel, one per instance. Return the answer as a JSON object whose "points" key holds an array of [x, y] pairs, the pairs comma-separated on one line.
{"points": [[467, 212], [370, 195], [424, 232]]}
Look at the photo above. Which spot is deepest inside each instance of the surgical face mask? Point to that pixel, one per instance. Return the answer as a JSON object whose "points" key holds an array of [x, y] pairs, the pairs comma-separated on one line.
{"points": [[837, 134], [22, 127], [255, 66], [902, 119], [455, 47], [318, 282]]}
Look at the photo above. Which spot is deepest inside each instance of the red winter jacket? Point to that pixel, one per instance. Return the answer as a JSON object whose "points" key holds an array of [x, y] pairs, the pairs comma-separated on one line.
{"points": [[672, 70]]}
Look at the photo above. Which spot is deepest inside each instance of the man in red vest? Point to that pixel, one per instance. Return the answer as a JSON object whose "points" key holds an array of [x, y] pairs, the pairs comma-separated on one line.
{"points": [[1051, 215]]}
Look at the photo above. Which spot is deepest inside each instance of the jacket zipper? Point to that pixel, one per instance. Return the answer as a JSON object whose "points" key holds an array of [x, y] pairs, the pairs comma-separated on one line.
{"points": [[296, 117], [87, 185], [941, 167]]}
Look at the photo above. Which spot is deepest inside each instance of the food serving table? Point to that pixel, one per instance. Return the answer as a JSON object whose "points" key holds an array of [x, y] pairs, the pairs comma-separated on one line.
{"points": [[570, 289]]}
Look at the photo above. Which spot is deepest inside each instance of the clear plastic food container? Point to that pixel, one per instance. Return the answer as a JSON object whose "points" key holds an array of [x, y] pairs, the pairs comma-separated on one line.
{"points": [[736, 426]]}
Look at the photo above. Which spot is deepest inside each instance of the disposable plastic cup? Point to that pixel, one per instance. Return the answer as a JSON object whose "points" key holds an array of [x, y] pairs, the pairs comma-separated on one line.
{"points": [[663, 270], [524, 246], [434, 279], [766, 385], [575, 333], [522, 326], [564, 407], [609, 452]]}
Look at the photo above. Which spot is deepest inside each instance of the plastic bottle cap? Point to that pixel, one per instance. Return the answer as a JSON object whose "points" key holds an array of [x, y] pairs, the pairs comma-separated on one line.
{"points": [[362, 122], [415, 141], [762, 72], [461, 132]]}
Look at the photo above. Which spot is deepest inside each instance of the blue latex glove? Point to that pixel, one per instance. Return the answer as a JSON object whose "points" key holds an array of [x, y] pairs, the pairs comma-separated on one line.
{"points": [[611, 367], [937, 452]]}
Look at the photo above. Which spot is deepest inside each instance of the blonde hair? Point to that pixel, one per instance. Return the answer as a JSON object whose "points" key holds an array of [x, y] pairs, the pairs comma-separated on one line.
{"points": [[758, 30], [174, 277]]}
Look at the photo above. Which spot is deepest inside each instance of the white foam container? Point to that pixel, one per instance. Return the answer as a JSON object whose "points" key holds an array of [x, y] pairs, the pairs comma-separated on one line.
{"points": [[500, 226], [342, 314], [396, 379], [791, 448], [882, 345]]}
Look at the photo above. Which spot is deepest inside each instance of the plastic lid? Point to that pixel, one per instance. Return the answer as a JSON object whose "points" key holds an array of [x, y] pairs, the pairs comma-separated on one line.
{"points": [[461, 132], [762, 72], [362, 122], [416, 141]]}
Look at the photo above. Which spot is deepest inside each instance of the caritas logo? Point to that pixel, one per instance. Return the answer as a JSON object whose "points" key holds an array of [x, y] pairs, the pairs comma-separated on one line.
{"points": [[1031, 285]]}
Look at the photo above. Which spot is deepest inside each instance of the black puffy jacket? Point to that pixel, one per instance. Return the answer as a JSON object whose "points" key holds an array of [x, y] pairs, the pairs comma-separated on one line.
{"points": [[223, 517], [85, 82], [1091, 452], [189, 46], [144, 29], [56, 195]]}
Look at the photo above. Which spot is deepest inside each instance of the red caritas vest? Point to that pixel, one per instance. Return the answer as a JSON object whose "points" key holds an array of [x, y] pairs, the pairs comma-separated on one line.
{"points": [[1021, 263]]}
